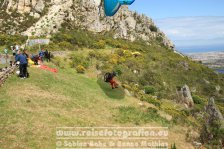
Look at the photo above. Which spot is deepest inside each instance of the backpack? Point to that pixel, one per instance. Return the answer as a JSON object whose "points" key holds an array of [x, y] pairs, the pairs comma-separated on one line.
{"points": [[108, 76]]}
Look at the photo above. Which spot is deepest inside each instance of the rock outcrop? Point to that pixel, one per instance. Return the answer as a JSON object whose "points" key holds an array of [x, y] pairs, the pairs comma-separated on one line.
{"points": [[46, 17], [184, 96], [213, 111], [213, 126]]}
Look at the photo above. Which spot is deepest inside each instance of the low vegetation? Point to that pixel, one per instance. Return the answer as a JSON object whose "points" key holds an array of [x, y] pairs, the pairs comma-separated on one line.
{"points": [[151, 73]]}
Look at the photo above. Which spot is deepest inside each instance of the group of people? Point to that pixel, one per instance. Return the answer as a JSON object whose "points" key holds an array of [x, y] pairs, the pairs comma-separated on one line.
{"points": [[22, 59], [42, 56]]}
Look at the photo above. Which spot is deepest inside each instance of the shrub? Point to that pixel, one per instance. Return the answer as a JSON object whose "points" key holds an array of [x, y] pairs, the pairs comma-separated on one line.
{"points": [[128, 75], [120, 52], [198, 100], [149, 90], [127, 53], [153, 28], [64, 45], [80, 69], [100, 44], [11, 40], [114, 59], [59, 62], [113, 43], [151, 100], [173, 146], [118, 69], [77, 59], [51, 47]]}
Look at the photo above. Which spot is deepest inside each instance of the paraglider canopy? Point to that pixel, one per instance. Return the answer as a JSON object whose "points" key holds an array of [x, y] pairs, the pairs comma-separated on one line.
{"points": [[112, 6]]}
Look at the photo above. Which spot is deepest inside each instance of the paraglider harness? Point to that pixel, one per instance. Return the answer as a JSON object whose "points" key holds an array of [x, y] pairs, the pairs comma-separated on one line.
{"points": [[109, 76]]}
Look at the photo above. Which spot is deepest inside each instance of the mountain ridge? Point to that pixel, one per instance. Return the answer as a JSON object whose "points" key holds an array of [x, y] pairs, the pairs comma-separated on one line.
{"points": [[42, 18]]}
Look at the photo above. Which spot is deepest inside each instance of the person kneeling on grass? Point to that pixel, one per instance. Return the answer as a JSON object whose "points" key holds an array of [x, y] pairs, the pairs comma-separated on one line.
{"points": [[22, 59], [109, 77], [35, 59]]}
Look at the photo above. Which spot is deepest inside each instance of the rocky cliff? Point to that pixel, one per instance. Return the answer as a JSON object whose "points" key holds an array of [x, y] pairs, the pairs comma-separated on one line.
{"points": [[44, 17]]}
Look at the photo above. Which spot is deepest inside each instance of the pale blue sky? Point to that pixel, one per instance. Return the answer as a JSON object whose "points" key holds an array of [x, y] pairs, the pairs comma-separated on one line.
{"points": [[194, 24], [159, 9]]}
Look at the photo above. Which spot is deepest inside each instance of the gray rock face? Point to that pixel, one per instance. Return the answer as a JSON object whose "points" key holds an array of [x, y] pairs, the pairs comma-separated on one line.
{"points": [[213, 120], [213, 111], [86, 14], [184, 96]]}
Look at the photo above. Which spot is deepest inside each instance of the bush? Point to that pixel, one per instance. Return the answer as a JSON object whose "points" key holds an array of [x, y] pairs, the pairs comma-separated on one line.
{"points": [[80, 69], [100, 44], [151, 100], [95, 54], [77, 59], [153, 28], [173, 146], [150, 90], [198, 100], [64, 45], [59, 62], [80, 38], [11, 40], [118, 69], [114, 59]]}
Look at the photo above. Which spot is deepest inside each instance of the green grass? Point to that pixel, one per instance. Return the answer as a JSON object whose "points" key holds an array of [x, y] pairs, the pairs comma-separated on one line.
{"points": [[138, 116], [31, 109]]}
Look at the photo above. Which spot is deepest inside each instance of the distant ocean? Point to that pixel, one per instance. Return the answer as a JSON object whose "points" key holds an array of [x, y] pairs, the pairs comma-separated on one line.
{"points": [[200, 49], [220, 71]]}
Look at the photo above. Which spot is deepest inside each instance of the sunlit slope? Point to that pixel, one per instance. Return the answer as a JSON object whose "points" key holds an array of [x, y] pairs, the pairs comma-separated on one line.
{"points": [[31, 109]]}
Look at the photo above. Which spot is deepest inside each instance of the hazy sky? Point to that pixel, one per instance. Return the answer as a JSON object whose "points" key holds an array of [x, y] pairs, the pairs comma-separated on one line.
{"points": [[187, 23]]}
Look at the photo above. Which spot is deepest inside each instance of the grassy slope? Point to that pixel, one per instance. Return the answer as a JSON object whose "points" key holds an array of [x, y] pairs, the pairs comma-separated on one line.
{"points": [[32, 109]]}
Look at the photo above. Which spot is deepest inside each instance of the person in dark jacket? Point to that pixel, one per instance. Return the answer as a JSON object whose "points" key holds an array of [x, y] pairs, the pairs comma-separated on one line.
{"points": [[47, 55], [23, 63], [35, 59], [109, 77]]}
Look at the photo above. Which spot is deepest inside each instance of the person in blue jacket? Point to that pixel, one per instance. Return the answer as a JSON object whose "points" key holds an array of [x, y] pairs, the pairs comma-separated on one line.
{"points": [[41, 55], [22, 59]]}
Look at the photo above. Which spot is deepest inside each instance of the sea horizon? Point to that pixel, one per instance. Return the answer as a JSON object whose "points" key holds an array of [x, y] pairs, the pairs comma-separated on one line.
{"points": [[199, 49]]}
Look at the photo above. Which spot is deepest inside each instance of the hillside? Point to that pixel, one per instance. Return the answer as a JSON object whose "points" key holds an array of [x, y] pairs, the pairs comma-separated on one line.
{"points": [[158, 87], [148, 93], [32, 109]]}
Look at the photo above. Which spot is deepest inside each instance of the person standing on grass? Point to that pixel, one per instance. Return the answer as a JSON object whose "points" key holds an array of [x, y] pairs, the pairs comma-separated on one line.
{"points": [[17, 47], [41, 55], [6, 52], [22, 59], [13, 50], [27, 59]]}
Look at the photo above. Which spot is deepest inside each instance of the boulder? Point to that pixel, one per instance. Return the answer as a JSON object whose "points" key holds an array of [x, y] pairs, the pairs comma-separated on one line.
{"points": [[213, 111], [184, 96], [39, 7], [127, 92]]}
